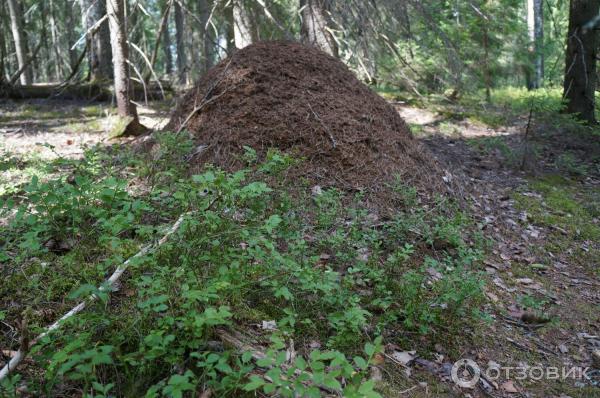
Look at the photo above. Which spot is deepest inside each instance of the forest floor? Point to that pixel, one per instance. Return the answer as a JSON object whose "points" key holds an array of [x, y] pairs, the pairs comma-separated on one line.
{"points": [[533, 185]]}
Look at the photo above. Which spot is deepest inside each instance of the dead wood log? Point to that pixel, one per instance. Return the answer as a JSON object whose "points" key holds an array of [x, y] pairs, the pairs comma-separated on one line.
{"points": [[96, 91]]}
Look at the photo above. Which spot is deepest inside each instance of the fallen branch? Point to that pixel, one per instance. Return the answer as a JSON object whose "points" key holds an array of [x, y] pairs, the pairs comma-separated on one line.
{"points": [[139, 50], [90, 31], [198, 109], [76, 66], [208, 97], [18, 73], [22, 352]]}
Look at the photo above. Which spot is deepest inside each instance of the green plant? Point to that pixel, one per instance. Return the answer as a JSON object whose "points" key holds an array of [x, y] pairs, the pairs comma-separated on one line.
{"points": [[247, 251], [328, 206], [534, 303], [568, 162], [323, 370]]}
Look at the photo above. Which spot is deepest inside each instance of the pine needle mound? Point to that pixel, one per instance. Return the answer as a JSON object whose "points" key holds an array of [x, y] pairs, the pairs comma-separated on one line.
{"points": [[302, 101]]}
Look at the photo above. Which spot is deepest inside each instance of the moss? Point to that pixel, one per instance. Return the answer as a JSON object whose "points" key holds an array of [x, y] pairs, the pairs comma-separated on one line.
{"points": [[567, 208]]}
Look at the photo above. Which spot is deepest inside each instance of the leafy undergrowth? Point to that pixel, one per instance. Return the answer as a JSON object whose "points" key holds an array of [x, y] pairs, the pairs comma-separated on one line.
{"points": [[315, 265]]}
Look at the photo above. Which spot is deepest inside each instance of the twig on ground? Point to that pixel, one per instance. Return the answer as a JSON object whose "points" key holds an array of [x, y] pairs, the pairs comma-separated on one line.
{"points": [[22, 352], [333, 142], [198, 109], [408, 390], [208, 98]]}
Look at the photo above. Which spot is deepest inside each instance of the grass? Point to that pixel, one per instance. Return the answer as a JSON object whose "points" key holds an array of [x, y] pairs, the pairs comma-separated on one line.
{"points": [[29, 111], [568, 208], [16, 170]]}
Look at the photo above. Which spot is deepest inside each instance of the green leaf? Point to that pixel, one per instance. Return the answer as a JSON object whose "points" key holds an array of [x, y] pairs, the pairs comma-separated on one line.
{"points": [[369, 349], [246, 356], [332, 383], [255, 383], [264, 362], [361, 363], [272, 223]]}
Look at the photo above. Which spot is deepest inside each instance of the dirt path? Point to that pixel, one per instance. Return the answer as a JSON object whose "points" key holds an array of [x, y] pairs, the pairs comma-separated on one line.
{"points": [[544, 295]]}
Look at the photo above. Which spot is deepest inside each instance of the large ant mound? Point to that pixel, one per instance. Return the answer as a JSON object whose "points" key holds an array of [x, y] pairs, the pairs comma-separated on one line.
{"points": [[302, 101]]}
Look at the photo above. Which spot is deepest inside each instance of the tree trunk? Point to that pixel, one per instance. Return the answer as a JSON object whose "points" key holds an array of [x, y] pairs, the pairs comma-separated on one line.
{"points": [[58, 66], [179, 35], [243, 30], [208, 39], [487, 74], [71, 25], [167, 47], [535, 30], [2, 55], [16, 23], [580, 60], [99, 51], [315, 24], [46, 54], [4, 68], [118, 40]]}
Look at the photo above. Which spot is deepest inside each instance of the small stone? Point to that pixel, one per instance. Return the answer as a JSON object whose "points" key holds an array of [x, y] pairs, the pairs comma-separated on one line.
{"points": [[563, 348]]}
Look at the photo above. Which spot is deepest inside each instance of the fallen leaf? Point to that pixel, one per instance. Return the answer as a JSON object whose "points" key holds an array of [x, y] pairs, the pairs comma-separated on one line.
{"points": [[404, 357], [515, 312], [596, 359], [525, 281], [378, 359], [9, 353], [435, 274], [269, 325], [509, 387], [376, 374]]}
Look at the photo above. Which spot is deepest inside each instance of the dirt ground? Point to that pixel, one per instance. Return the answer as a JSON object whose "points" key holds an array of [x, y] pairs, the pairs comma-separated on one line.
{"points": [[529, 261], [544, 284], [52, 128]]}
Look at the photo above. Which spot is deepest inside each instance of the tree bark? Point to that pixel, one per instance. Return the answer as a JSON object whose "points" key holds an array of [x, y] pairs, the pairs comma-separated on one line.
{"points": [[164, 22], [580, 60], [180, 43], [71, 25], [16, 23], [58, 67], [99, 51], [244, 31], [204, 7], [122, 86], [167, 47], [3, 48], [315, 25], [535, 30]]}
